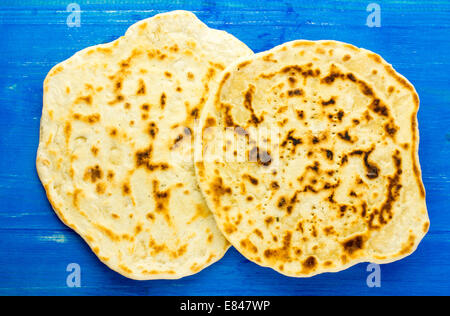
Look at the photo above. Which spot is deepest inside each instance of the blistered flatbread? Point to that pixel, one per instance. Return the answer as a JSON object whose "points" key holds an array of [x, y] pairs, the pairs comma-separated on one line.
{"points": [[115, 152], [309, 159]]}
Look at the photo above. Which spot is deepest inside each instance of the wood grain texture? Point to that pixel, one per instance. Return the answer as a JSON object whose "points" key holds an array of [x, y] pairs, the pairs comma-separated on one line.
{"points": [[35, 247]]}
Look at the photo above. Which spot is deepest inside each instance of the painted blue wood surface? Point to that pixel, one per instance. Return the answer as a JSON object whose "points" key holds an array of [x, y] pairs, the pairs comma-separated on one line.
{"points": [[35, 247]]}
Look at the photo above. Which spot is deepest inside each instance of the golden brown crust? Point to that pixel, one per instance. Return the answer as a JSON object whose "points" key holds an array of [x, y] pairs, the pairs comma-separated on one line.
{"points": [[343, 159], [106, 146]]}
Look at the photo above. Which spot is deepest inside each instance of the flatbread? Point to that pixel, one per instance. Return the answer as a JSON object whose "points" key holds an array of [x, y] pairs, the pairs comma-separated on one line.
{"points": [[115, 145], [309, 159]]}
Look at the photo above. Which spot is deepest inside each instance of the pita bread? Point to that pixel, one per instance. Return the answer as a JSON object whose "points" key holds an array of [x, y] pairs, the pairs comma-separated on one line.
{"points": [[115, 145], [330, 175]]}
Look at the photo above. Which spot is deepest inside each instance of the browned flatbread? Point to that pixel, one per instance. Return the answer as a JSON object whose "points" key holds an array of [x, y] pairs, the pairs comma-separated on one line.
{"points": [[331, 175], [115, 145]]}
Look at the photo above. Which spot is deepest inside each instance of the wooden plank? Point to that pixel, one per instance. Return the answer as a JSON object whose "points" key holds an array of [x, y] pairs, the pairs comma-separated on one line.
{"points": [[41, 258], [35, 247]]}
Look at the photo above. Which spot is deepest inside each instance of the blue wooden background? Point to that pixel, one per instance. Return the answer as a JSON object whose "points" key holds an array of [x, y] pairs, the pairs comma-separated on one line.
{"points": [[35, 247]]}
